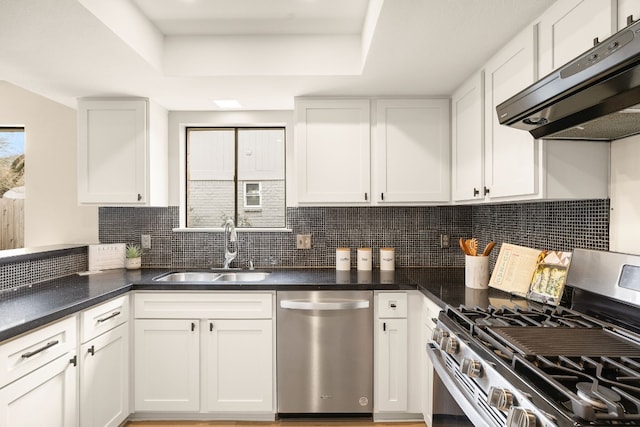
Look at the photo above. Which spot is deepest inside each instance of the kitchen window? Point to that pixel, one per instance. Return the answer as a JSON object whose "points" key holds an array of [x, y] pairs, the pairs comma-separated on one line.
{"points": [[236, 173]]}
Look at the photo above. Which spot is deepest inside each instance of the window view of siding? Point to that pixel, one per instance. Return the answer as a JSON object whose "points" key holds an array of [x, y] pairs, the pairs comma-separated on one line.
{"points": [[236, 173]]}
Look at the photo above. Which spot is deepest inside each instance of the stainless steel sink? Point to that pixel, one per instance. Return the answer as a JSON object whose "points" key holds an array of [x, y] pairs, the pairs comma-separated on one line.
{"points": [[189, 276], [208, 276], [249, 276]]}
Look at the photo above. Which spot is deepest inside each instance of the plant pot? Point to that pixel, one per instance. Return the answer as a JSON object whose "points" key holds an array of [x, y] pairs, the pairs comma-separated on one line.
{"points": [[132, 263]]}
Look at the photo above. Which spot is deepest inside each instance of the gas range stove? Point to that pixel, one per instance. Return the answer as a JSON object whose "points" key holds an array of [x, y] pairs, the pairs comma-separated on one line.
{"points": [[537, 365]]}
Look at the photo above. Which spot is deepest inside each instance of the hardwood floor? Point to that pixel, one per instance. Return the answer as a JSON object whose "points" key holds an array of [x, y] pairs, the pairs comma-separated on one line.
{"points": [[281, 423]]}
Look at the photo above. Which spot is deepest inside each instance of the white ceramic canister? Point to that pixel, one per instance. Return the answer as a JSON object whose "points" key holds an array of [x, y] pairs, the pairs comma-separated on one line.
{"points": [[364, 259], [343, 259], [476, 272], [387, 259]]}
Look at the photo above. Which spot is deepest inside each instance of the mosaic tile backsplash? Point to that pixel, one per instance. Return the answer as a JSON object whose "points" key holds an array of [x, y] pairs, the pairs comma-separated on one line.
{"points": [[414, 232]]}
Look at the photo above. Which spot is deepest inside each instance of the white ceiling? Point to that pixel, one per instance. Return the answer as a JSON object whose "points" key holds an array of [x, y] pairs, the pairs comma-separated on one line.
{"points": [[184, 53]]}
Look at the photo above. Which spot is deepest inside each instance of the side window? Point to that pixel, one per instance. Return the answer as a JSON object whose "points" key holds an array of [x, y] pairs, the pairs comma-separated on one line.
{"points": [[252, 195], [12, 189], [236, 173]]}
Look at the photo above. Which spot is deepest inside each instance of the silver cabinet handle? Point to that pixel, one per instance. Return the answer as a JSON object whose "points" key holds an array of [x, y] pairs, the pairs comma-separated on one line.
{"points": [[111, 316], [41, 349], [328, 305]]}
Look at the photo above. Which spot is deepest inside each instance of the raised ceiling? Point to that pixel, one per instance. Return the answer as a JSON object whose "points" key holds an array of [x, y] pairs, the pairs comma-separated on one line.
{"points": [[184, 53]]}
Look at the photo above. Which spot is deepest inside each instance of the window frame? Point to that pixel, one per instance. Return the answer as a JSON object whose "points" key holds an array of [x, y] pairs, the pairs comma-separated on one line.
{"points": [[184, 220]]}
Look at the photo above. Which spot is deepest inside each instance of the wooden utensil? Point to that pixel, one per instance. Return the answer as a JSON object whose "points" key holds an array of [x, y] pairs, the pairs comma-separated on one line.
{"points": [[472, 245], [488, 248], [463, 246]]}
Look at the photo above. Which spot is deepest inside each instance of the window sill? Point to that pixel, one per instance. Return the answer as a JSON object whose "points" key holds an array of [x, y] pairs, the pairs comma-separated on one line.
{"points": [[239, 230]]}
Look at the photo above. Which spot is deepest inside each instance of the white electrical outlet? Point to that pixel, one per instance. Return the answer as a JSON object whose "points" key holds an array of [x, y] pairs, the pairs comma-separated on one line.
{"points": [[303, 241], [145, 241]]}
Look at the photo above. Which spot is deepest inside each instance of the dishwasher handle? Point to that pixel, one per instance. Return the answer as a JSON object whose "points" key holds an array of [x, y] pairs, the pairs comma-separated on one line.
{"points": [[324, 305]]}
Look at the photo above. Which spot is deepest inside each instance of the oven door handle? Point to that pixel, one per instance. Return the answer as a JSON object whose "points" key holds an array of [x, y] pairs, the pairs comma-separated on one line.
{"points": [[458, 395], [326, 305]]}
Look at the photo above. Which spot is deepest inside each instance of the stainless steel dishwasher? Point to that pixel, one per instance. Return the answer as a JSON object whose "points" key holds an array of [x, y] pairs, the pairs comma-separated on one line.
{"points": [[325, 352]]}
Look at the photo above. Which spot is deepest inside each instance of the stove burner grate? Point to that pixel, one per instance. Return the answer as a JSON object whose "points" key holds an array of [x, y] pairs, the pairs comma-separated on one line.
{"points": [[596, 395]]}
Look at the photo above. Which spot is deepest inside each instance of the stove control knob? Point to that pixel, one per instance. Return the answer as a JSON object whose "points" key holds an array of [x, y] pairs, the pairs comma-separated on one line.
{"points": [[450, 345], [439, 335], [471, 367], [520, 417], [500, 398]]}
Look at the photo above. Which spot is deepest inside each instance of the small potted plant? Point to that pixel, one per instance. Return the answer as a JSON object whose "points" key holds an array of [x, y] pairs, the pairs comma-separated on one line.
{"points": [[133, 256]]}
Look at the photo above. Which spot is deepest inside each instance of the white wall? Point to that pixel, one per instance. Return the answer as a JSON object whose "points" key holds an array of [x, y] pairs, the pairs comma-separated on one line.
{"points": [[180, 120], [624, 228], [52, 214]]}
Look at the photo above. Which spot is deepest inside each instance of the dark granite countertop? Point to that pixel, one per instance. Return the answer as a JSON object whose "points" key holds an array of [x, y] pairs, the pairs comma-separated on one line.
{"points": [[30, 307]]}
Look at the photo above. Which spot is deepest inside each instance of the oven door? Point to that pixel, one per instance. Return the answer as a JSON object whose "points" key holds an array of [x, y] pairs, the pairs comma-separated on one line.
{"points": [[466, 403]]}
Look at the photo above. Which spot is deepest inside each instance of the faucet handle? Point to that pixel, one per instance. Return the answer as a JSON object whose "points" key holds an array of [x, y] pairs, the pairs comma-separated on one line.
{"points": [[250, 264]]}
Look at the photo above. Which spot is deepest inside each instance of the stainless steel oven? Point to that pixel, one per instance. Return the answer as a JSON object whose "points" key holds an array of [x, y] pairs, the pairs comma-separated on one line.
{"points": [[544, 366]]}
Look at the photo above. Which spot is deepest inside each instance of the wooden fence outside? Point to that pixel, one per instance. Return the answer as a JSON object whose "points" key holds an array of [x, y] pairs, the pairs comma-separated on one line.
{"points": [[11, 223]]}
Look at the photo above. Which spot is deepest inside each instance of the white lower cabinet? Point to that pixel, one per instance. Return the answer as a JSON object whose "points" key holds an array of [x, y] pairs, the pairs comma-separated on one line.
{"points": [[104, 364], [104, 379], [38, 379], [396, 356], [222, 364], [391, 382], [167, 358], [238, 370], [46, 397]]}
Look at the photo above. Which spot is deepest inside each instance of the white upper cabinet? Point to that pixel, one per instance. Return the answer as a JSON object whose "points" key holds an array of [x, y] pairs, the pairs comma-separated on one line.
{"points": [[627, 8], [122, 152], [467, 142], [411, 156], [569, 27], [510, 154], [332, 145]]}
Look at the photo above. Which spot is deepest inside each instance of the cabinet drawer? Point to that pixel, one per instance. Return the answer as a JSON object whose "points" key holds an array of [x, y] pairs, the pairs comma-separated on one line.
{"points": [[392, 305], [203, 305], [101, 318], [35, 349]]}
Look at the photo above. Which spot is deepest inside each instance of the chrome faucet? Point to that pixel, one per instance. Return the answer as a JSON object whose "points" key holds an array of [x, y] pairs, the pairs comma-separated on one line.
{"points": [[230, 243]]}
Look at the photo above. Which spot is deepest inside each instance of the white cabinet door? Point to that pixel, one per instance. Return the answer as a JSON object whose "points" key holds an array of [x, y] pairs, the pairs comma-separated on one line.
{"points": [[45, 397], [332, 146], [412, 158], [167, 365], [112, 151], [625, 9], [104, 379], [391, 382], [238, 374], [511, 162], [122, 152], [467, 140], [568, 28]]}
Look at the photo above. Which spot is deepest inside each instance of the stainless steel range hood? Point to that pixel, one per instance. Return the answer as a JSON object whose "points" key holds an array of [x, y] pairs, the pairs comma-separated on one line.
{"points": [[594, 97]]}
